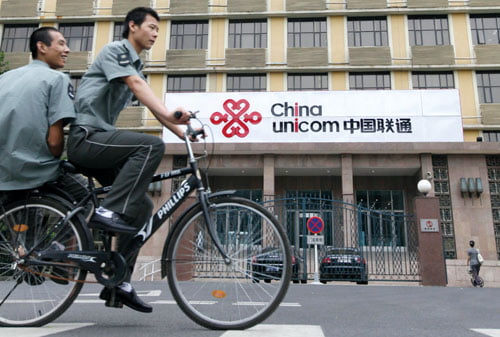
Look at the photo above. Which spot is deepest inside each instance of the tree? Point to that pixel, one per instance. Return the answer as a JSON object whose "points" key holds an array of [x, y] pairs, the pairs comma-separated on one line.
{"points": [[3, 63]]}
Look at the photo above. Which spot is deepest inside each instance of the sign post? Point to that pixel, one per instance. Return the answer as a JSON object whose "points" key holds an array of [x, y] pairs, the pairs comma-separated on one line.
{"points": [[315, 225]]}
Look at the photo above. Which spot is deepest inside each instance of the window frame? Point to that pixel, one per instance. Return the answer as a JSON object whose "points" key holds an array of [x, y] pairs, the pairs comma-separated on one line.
{"points": [[418, 36], [178, 40], [86, 38], [356, 76], [199, 83], [117, 36], [427, 76], [357, 32], [296, 33], [260, 79], [322, 78], [478, 33], [9, 43], [487, 92], [238, 37]]}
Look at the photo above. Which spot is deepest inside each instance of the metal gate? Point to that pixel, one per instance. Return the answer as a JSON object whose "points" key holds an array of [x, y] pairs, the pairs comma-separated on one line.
{"points": [[359, 244]]}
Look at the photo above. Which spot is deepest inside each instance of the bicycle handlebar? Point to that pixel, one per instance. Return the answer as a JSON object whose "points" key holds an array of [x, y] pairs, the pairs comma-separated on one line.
{"points": [[190, 132]]}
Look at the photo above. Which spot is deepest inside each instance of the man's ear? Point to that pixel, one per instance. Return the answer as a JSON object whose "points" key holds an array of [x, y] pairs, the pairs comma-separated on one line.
{"points": [[132, 26], [42, 47]]}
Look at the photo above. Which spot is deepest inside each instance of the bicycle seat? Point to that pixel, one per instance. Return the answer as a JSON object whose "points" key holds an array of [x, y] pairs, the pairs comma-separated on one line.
{"points": [[66, 166]]}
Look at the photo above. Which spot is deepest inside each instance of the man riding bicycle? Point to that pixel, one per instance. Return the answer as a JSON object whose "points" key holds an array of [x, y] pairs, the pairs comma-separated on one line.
{"points": [[126, 160]]}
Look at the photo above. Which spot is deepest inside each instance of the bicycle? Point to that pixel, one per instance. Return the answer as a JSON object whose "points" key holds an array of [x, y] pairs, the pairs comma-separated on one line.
{"points": [[46, 252]]}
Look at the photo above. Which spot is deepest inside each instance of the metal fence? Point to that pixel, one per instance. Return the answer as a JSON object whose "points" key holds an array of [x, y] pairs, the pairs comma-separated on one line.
{"points": [[386, 241]]}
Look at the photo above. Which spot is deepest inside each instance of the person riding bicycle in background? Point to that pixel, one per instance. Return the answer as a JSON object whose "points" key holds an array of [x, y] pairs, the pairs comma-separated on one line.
{"points": [[124, 159], [36, 103], [473, 262]]}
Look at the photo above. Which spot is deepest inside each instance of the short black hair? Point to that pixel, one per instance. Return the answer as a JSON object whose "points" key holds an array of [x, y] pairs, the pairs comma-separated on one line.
{"points": [[41, 34], [137, 15], [471, 243]]}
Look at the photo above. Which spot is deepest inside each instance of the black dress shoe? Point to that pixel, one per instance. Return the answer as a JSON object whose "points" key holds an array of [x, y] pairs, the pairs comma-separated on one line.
{"points": [[130, 299], [114, 224]]}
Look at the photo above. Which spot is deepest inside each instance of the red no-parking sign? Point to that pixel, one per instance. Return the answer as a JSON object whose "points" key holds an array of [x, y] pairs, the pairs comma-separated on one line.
{"points": [[315, 225]]}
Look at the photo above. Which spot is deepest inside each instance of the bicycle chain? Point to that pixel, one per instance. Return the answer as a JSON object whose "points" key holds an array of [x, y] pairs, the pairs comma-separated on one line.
{"points": [[28, 270]]}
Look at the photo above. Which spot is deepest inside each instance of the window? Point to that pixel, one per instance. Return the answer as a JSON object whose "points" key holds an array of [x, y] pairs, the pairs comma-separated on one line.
{"points": [[305, 33], [442, 191], [117, 31], [433, 80], [488, 86], [16, 38], [367, 32], [245, 82], [297, 82], [248, 34], [189, 35], [428, 30], [491, 136], [382, 222], [184, 83], [493, 165], [485, 29], [370, 81], [79, 36]]}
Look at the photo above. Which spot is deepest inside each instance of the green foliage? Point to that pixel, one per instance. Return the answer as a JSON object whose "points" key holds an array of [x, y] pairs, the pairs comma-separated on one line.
{"points": [[3, 63]]}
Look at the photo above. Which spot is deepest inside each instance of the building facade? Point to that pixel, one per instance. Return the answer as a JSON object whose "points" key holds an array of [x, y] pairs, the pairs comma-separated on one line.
{"points": [[217, 46]]}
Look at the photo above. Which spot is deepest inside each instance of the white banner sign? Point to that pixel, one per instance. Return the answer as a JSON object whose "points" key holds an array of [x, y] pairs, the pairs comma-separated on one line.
{"points": [[325, 116]]}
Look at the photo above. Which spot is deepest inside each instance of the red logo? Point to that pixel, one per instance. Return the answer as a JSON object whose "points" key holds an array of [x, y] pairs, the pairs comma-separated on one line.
{"points": [[236, 118]]}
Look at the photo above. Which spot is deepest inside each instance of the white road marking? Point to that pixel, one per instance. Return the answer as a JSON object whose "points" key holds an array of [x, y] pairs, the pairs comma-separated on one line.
{"points": [[284, 304], [142, 293], [174, 302], [236, 303], [46, 330], [488, 332], [275, 330]]}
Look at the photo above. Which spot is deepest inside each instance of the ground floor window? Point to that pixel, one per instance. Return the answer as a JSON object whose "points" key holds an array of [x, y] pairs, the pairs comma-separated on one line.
{"points": [[442, 191], [493, 164], [381, 219]]}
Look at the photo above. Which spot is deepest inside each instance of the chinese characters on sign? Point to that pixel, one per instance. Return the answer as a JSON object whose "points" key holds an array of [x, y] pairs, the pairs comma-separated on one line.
{"points": [[373, 125]]}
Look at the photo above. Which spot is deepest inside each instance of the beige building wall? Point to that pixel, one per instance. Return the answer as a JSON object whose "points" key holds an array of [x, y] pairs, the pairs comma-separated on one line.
{"points": [[399, 39], [276, 40]]}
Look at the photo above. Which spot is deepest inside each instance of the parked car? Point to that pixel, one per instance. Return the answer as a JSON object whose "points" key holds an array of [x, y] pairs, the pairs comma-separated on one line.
{"points": [[339, 264], [268, 264]]}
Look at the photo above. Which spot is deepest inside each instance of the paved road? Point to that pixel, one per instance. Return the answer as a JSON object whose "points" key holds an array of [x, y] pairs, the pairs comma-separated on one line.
{"points": [[309, 310]]}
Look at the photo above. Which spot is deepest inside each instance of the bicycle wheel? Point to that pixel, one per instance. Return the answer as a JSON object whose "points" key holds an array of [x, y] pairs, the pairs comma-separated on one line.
{"points": [[221, 295], [36, 295]]}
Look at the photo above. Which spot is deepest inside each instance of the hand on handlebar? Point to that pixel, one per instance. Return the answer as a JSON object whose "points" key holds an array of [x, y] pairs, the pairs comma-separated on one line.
{"points": [[181, 116], [192, 133]]}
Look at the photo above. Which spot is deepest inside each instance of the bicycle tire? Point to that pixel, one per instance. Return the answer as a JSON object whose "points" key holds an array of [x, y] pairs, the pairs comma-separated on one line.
{"points": [[220, 296], [33, 296]]}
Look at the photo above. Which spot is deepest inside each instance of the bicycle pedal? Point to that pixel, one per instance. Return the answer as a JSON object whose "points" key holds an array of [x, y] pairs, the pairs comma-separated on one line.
{"points": [[113, 304]]}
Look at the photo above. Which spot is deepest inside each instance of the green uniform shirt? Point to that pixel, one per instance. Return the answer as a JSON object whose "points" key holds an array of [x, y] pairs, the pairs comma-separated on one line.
{"points": [[102, 94], [32, 98]]}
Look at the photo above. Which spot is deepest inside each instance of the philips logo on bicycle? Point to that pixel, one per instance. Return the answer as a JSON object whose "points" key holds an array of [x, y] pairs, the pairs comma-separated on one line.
{"points": [[329, 116], [174, 199]]}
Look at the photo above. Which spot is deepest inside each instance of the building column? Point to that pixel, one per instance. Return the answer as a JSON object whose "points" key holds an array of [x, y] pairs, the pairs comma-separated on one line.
{"points": [[430, 242], [268, 189], [349, 223]]}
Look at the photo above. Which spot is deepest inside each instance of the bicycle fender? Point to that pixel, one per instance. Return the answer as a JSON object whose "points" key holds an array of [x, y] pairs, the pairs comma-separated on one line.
{"points": [[167, 241]]}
